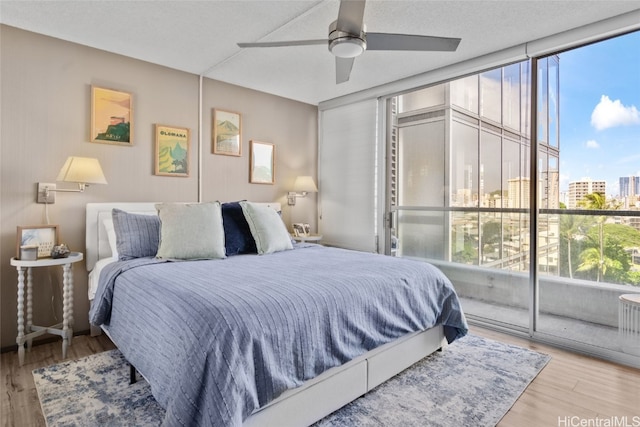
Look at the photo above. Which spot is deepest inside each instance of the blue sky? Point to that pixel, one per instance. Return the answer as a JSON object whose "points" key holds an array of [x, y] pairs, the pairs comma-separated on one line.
{"points": [[600, 112]]}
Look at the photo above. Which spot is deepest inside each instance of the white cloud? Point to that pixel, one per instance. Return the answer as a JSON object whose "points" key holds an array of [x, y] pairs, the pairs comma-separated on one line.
{"points": [[592, 143], [610, 113]]}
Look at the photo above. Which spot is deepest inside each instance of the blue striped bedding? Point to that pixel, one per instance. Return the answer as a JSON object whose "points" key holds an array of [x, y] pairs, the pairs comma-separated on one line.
{"points": [[218, 339]]}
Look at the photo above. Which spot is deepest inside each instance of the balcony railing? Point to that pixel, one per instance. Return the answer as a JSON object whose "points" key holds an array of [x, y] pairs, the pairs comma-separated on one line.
{"points": [[587, 259]]}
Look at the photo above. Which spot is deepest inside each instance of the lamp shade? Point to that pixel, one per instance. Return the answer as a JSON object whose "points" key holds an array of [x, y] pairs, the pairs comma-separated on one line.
{"points": [[305, 184], [83, 170]]}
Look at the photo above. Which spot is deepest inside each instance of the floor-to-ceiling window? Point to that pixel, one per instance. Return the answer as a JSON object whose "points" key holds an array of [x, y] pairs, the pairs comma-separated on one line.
{"points": [[463, 182]]}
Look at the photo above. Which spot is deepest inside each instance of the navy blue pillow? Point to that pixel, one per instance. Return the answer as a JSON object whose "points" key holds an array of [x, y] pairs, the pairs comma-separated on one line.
{"points": [[237, 234]]}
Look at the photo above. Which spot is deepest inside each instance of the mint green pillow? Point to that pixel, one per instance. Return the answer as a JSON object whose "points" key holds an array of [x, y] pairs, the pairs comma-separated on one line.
{"points": [[190, 231], [267, 228]]}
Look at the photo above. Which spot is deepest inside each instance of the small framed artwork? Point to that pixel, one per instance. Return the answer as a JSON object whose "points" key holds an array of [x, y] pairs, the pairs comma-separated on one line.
{"points": [[43, 236], [111, 116], [262, 163], [301, 230], [172, 151], [227, 133]]}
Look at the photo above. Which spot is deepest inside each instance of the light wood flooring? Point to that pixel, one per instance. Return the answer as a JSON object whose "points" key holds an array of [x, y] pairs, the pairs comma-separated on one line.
{"points": [[570, 389]]}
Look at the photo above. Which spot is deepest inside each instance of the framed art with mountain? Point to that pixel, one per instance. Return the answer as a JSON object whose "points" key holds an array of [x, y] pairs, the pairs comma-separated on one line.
{"points": [[172, 151], [111, 116], [227, 133]]}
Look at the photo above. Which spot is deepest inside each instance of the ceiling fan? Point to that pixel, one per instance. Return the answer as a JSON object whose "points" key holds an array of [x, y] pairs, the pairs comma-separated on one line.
{"points": [[348, 39]]}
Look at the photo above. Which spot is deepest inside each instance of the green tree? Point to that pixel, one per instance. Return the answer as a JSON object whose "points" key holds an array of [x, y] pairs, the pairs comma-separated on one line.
{"points": [[597, 201], [633, 278], [571, 226], [491, 239]]}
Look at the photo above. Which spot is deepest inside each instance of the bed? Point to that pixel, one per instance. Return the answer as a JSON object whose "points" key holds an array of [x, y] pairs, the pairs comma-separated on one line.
{"points": [[281, 338]]}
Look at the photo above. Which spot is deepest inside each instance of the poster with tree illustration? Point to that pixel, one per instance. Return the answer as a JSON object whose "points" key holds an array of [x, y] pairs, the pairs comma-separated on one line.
{"points": [[172, 151]]}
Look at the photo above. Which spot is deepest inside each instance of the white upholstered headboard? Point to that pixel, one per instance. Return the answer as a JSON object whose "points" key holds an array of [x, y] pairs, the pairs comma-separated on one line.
{"points": [[97, 243]]}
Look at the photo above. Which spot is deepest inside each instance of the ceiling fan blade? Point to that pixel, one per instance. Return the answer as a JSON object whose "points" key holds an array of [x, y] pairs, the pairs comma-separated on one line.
{"points": [[350, 16], [285, 44], [386, 41], [343, 69]]}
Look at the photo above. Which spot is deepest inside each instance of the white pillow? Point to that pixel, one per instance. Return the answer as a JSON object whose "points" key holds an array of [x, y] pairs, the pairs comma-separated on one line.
{"points": [[267, 228], [111, 236], [191, 231]]}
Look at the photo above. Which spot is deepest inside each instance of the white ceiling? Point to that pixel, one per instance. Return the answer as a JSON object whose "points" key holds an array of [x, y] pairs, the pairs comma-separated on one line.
{"points": [[200, 36]]}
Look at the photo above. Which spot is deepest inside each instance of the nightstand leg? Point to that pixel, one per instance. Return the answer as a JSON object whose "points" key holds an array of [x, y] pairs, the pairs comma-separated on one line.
{"points": [[20, 337], [66, 309], [29, 306], [70, 287]]}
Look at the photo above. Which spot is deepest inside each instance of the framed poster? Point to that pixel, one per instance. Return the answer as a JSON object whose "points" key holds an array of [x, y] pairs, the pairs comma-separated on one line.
{"points": [[44, 236], [111, 116], [262, 163], [227, 133], [172, 151]]}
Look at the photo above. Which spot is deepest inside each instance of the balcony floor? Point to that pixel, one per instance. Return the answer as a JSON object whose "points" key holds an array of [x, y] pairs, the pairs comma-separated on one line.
{"points": [[593, 334]]}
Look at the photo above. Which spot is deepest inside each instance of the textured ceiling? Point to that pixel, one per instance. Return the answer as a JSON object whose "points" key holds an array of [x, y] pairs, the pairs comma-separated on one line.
{"points": [[200, 36]]}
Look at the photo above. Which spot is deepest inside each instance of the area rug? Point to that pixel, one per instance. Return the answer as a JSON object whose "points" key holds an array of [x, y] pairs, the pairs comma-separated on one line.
{"points": [[473, 382]]}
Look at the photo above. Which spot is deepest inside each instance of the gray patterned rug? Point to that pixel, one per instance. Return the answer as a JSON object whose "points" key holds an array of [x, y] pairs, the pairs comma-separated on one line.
{"points": [[473, 382]]}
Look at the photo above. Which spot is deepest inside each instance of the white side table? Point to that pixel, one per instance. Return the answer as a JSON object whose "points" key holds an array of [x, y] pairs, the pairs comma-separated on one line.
{"points": [[26, 333], [314, 238], [629, 323]]}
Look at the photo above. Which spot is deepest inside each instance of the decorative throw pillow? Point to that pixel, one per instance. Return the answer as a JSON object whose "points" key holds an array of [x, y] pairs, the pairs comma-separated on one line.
{"points": [[137, 235], [267, 228], [111, 236], [237, 234], [190, 231]]}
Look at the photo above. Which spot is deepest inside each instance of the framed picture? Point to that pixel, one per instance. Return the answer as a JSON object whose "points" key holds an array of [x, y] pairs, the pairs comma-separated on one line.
{"points": [[111, 116], [262, 163], [300, 230], [45, 236], [227, 133], [172, 151]]}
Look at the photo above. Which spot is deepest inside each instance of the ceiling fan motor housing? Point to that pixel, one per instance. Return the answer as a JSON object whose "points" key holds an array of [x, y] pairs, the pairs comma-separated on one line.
{"points": [[344, 44]]}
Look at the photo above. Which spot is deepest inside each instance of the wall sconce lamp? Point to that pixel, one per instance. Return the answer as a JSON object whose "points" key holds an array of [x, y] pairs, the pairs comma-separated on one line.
{"points": [[81, 170], [301, 187]]}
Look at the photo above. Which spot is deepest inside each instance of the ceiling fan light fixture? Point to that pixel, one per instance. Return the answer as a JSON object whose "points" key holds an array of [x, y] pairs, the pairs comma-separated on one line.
{"points": [[347, 47]]}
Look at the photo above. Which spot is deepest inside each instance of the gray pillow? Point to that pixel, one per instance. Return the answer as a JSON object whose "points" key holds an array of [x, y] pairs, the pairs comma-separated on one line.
{"points": [[137, 235], [267, 228], [191, 231]]}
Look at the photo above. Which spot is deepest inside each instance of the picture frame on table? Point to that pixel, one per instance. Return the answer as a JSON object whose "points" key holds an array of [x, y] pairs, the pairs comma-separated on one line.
{"points": [[111, 116], [226, 134], [172, 151], [262, 163], [298, 229], [44, 236]]}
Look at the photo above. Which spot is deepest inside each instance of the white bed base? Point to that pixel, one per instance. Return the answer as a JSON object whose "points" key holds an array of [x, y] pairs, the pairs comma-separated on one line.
{"points": [[320, 396]]}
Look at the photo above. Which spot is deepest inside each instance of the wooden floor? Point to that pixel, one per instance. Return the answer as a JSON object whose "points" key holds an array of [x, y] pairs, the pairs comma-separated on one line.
{"points": [[570, 389]]}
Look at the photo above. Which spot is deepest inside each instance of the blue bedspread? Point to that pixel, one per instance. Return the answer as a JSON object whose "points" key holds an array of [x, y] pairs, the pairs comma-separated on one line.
{"points": [[218, 339]]}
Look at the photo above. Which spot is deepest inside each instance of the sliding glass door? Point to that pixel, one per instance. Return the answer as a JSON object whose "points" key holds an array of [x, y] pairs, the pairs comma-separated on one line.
{"points": [[588, 219], [461, 186], [529, 243]]}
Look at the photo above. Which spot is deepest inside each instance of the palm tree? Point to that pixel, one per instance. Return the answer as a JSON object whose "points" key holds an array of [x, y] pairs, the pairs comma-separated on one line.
{"points": [[591, 260], [571, 227], [596, 201]]}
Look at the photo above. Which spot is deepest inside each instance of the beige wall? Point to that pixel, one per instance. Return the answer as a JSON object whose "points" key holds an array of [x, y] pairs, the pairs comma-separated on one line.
{"points": [[45, 101]]}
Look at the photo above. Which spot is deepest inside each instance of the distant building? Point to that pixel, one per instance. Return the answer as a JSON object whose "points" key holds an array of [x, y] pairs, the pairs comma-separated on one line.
{"points": [[629, 186], [519, 192], [579, 189]]}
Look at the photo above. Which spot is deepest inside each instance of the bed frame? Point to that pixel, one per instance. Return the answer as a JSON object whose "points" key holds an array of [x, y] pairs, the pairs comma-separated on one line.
{"points": [[320, 396]]}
